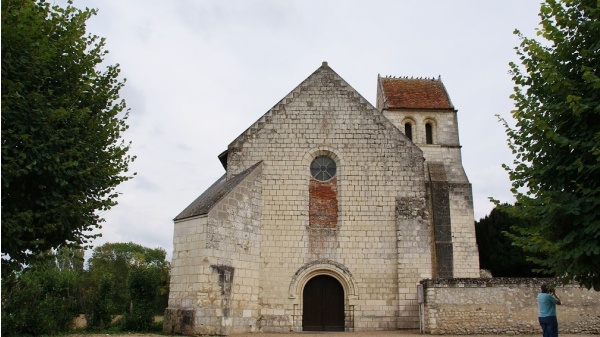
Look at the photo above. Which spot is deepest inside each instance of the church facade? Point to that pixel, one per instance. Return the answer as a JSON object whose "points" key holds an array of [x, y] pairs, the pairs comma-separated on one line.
{"points": [[330, 213]]}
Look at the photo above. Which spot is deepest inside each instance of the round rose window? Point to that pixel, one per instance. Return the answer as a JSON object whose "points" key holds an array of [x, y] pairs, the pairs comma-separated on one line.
{"points": [[322, 168]]}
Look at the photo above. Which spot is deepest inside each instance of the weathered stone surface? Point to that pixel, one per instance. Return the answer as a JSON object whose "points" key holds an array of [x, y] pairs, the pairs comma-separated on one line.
{"points": [[274, 227], [504, 306]]}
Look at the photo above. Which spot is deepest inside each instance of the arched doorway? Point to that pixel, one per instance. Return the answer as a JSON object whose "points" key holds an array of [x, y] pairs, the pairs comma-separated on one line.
{"points": [[323, 304]]}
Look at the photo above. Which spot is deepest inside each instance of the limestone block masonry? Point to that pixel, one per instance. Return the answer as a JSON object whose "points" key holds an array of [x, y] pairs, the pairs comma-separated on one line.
{"points": [[245, 250], [503, 306]]}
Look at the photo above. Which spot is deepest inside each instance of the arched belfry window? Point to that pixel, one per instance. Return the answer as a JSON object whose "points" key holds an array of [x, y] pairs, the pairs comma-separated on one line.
{"points": [[408, 130], [323, 168], [428, 133]]}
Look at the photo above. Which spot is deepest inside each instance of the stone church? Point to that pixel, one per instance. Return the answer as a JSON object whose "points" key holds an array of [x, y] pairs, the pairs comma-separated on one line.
{"points": [[329, 214]]}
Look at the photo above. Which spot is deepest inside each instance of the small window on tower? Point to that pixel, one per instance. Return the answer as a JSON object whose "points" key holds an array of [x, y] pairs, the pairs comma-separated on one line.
{"points": [[408, 130], [428, 133]]}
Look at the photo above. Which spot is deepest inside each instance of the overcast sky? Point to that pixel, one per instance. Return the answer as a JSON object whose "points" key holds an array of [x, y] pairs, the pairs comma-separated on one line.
{"points": [[200, 72]]}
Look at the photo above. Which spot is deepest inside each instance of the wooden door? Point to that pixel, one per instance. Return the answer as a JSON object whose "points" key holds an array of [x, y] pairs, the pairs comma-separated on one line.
{"points": [[323, 305]]}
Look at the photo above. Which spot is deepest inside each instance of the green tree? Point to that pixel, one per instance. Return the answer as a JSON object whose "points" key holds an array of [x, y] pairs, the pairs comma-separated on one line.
{"points": [[496, 251], [44, 298], [101, 307], [142, 284], [62, 122], [118, 259], [556, 141]]}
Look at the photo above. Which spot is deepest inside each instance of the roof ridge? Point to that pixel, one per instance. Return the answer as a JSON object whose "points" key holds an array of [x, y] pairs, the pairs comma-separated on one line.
{"points": [[280, 106], [277, 107], [412, 78]]}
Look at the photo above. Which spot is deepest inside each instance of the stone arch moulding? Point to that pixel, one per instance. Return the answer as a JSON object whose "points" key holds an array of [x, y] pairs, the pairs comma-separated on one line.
{"points": [[410, 120], [338, 158], [322, 151], [322, 267], [434, 128]]}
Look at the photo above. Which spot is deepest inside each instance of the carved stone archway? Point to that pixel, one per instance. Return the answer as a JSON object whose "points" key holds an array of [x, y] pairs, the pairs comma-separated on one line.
{"points": [[329, 268]]}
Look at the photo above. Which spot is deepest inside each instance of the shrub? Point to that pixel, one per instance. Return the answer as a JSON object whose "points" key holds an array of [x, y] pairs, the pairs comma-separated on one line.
{"points": [[101, 304], [40, 302], [142, 283]]}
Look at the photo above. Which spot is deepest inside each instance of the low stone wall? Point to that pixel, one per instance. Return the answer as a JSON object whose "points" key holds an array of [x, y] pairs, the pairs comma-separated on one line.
{"points": [[80, 322], [503, 306]]}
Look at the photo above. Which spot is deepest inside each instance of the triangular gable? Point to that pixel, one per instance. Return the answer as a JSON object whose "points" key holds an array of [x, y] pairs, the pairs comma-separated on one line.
{"points": [[266, 118]]}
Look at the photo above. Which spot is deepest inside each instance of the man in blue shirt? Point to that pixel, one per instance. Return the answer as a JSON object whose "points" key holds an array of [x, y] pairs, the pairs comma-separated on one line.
{"points": [[547, 301]]}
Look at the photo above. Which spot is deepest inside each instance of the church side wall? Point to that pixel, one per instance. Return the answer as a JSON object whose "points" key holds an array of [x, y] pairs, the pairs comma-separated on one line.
{"points": [[189, 242], [375, 166], [235, 238], [216, 262], [504, 306]]}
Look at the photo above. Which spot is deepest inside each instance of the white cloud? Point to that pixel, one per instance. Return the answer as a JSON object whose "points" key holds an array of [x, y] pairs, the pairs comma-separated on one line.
{"points": [[200, 72]]}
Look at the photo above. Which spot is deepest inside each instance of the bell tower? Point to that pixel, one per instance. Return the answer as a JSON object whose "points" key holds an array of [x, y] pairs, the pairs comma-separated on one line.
{"points": [[422, 110]]}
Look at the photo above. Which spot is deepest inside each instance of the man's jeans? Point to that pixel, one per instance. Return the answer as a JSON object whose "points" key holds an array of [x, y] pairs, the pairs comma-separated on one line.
{"points": [[549, 326]]}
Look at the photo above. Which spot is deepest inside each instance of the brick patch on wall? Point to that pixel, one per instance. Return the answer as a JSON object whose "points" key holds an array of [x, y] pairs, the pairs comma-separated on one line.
{"points": [[323, 206]]}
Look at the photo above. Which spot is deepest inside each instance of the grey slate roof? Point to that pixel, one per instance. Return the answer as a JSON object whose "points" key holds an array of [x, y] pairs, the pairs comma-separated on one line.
{"points": [[217, 191]]}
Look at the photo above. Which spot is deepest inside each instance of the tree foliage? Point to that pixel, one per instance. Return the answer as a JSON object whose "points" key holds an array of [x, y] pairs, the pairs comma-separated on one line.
{"points": [[44, 299], [117, 260], [142, 285], [556, 141], [46, 296], [62, 122], [100, 302], [496, 251]]}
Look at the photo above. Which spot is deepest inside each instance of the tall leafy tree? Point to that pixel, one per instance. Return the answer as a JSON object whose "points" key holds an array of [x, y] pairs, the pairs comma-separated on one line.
{"points": [[117, 260], [99, 301], [142, 283], [556, 141], [45, 298], [62, 123], [496, 251]]}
